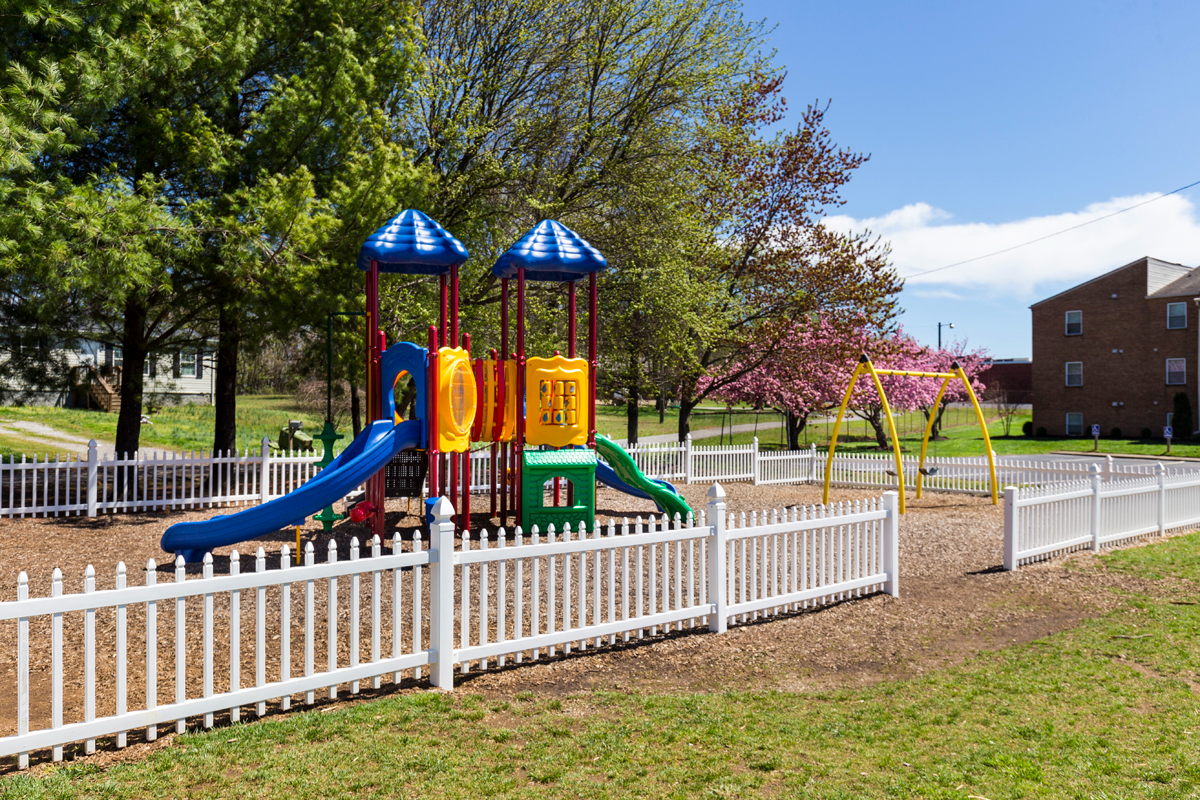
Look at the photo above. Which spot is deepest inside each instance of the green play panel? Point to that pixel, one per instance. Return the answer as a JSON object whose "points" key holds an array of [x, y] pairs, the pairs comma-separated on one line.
{"points": [[575, 465]]}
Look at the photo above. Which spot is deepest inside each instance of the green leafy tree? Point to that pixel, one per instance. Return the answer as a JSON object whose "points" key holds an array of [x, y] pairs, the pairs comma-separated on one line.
{"points": [[763, 198]]}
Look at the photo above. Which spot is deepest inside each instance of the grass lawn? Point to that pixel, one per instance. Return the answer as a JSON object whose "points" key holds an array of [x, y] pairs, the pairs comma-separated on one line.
{"points": [[964, 439], [1106, 709], [610, 420], [187, 427]]}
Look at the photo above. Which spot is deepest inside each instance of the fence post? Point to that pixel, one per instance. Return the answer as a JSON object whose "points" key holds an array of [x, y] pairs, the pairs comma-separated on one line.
{"points": [[891, 542], [1095, 529], [1108, 469], [717, 549], [812, 462], [687, 459], [441, 594], [22, 670], [1010, 528], [92, 474], [1161, 472], [265, 484], [754, 460]]}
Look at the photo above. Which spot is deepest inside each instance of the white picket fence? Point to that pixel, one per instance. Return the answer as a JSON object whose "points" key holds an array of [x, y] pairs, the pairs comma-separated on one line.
{"points": [[522, 597], [1042, 522], [148, 481], [969, 475], [159, 481]]}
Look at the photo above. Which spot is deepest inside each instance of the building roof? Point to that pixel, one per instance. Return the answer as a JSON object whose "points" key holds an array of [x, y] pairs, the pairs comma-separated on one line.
{"points": [[412, 244], [1159, 276], [572, 457], [550, 252]]}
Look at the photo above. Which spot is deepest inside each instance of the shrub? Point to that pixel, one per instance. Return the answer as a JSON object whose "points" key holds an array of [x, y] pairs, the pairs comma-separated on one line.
{"points": [[1146, 433], [1115, 433], [1041, 431], [1027, 428]]}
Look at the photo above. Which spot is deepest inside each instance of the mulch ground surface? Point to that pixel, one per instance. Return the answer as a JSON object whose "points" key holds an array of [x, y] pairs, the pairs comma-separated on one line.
{"points": [[955, 601]]}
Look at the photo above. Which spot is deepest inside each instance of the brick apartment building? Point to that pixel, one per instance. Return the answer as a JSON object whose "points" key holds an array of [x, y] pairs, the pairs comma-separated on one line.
{"points": [[1114, 351]]}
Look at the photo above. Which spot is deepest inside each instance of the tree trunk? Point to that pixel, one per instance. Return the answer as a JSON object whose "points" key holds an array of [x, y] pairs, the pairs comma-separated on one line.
{"points": [[795, 425], [879, 425], [133, 351], [686, 406], [662, 405], [631, 402], [228, 341], [355, 409]]}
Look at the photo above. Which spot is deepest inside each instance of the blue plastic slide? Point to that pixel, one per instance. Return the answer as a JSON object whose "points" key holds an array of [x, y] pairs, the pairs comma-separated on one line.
{"points": [[365, 456]]}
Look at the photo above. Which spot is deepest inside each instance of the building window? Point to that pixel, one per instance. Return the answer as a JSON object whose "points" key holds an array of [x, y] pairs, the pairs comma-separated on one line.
{"points": [[1074, 424], [1074, 373], [1176, 315], [146, 365], [1074, 323], [118, 357], [1176, 371], [187, 364]]}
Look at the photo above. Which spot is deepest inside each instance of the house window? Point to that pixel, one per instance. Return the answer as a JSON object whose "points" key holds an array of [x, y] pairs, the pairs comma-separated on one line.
{"points": [[1074, 323], [187, 364], [1176, 371], [1176, 315], [1074, 424], [118, 357], [1074, 373], [146, 366]]}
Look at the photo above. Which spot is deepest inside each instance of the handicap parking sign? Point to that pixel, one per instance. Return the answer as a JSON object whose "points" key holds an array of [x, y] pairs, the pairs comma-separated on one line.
{"points": [[1095, 431], [1167, 432]]}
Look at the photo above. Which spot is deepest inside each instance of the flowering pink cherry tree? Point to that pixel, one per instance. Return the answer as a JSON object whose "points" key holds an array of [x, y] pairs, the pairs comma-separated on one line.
{"points": [[973, 363], [809, 371], [806, 372]]}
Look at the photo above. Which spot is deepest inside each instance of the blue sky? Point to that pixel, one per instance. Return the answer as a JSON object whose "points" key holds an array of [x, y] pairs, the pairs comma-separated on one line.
{"points": [[992, 124]]}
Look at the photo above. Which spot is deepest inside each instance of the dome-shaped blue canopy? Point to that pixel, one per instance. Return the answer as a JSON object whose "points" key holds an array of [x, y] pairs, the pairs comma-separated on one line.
{"points": [[412, 244], [550, 252]]}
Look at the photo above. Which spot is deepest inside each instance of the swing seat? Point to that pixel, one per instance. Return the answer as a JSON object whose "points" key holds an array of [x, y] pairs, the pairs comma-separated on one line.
{"points": [[929, 471], [891, 472]]}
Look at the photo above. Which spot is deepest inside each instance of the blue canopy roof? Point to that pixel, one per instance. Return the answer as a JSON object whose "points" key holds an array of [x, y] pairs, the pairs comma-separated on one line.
{"points": [[412, 244], [550, 252]]}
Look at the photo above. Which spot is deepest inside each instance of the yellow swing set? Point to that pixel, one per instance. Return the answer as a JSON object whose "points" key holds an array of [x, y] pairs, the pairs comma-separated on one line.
{"points": [[865, 366]]}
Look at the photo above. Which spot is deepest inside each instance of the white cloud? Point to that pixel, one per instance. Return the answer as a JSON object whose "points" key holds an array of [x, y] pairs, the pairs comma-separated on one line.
{"points": [[938, 294], [923, 238]]}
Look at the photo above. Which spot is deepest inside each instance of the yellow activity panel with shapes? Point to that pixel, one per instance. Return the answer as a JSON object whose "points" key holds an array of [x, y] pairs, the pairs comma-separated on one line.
{"points": [[556, 392]]}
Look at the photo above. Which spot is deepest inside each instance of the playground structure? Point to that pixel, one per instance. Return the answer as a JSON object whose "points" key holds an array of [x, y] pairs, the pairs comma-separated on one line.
{"points": [[537, 415], [865, 366]]}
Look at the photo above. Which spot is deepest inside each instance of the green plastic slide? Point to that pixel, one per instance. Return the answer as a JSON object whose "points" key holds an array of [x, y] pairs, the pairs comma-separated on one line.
{"points": [[633, 481]]}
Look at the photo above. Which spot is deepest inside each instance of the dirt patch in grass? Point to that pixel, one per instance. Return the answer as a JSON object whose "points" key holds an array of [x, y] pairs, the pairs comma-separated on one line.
{"points": [[954, 602]]}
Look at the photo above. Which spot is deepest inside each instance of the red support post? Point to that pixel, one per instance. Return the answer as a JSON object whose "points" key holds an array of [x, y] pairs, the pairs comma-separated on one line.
{"points": [[454, 306], [464, 507], [571, 323], [497, 423], [592, 361], [442, 327], [431, 451], [501, 366], [519, 446]]}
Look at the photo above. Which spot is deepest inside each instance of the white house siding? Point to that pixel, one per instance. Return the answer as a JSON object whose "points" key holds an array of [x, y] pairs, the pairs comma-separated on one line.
{"points": [[166, 385]]}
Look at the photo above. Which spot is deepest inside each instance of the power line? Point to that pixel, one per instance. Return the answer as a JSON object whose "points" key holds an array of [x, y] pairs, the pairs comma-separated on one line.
{"points": [[1051, 235]]}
